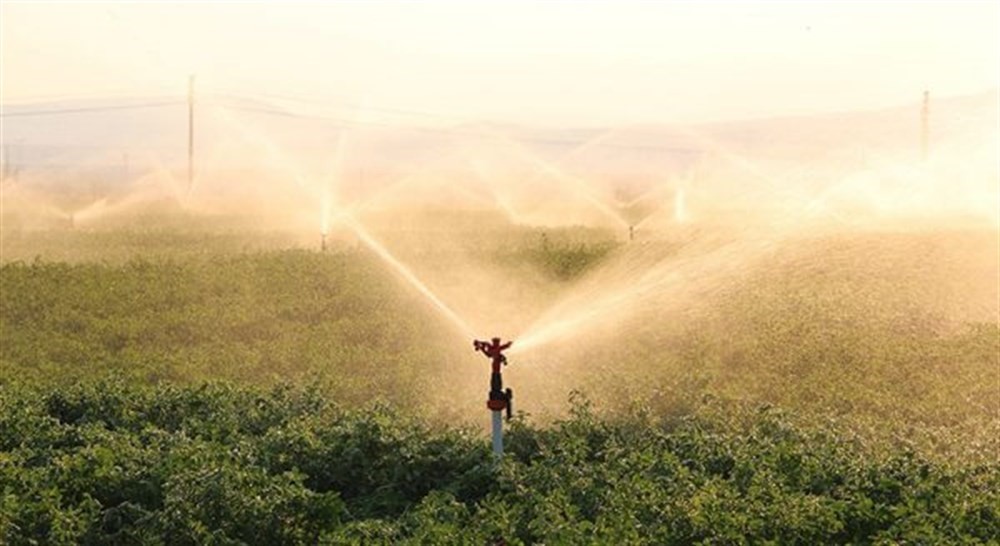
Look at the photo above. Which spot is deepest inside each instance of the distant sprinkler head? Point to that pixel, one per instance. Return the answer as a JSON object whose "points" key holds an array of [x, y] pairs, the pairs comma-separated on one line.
{"points": [[322, 243]]}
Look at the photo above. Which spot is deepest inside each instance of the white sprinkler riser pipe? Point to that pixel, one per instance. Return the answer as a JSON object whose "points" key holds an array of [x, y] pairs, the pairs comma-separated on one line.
{"points": [[497, 434]]}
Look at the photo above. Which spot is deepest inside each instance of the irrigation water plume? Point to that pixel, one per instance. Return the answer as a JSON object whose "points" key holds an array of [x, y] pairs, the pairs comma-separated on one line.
{"points": [[500, 399], [324, 227], [575, 184], [277, 156], [574, 314], [272, 153], [499, 200], [680, 213], [596, 140], [406, 274], [777, 185]]}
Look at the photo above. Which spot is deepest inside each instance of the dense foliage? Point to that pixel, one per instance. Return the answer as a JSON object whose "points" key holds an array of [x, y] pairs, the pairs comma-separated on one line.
{"points": [[295, 397], [107, 463], [564, 261], [891, 335], [255, 318]]}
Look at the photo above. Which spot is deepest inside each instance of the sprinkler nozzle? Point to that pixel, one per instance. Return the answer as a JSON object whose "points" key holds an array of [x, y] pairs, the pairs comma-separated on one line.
{"points": [[493, 350]]}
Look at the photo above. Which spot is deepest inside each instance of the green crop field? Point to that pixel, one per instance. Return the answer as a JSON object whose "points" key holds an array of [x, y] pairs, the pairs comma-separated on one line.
{"points": [[191, 387]]}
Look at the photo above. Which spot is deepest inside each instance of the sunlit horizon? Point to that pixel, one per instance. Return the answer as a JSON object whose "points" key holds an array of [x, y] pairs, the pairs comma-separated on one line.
{"points": [[540, 64]]}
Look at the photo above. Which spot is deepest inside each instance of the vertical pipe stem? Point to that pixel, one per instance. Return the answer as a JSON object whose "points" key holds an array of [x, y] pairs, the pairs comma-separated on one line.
{"points": [[497, 434]]}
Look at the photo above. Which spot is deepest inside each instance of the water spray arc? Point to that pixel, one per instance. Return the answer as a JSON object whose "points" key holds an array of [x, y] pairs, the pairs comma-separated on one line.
{"points": [[366, 238], [680, 210], [190, 158], [330, 212], [324, 221], [576, 185], [500, 399], [925, 114]]}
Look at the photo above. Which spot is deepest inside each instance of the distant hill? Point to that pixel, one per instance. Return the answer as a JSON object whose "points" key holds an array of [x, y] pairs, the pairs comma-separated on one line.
{"points": [[79, 130], [110, 143]]}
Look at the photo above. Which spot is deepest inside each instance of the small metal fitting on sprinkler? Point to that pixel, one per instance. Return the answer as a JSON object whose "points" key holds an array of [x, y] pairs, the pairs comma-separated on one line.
{"points": [[499, 399]]}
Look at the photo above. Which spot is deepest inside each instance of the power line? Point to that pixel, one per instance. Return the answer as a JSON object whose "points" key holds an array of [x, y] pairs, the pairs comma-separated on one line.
{"points": [[280, 113], [87, 109], [124, 94], [347, 123], [42, 148]]}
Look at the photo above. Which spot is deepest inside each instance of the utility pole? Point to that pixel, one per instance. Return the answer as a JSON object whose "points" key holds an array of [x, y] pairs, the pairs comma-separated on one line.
{"points": [[925, 114], [9, 171], [190, 132], [6, 163]]}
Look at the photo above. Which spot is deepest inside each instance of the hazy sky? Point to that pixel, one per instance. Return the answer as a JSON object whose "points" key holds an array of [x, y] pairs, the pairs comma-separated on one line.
{"points": [[550, 63]]}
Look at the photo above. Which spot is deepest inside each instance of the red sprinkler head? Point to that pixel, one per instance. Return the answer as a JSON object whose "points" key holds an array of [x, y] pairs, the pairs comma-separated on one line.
{"points": [[493, 350], [499, 399]]}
